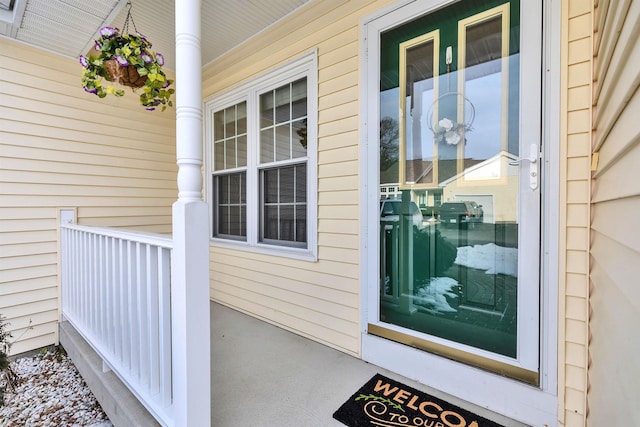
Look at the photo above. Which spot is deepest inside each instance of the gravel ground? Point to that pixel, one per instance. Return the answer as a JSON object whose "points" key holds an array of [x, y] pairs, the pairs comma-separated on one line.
{"points": [[50, 392]]}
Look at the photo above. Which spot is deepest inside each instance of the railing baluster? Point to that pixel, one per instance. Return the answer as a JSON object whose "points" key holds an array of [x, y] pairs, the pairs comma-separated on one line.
{"points": [[94, 283], [143, 311], [152, 309], [135, 313], [85, 266], [101, 299], [164, 320], [113, 286], [126, 306], [118, 274]]}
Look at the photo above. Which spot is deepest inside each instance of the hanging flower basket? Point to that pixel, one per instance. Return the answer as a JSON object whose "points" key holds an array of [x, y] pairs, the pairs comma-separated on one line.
{"points": [[126, 76], [127, 59]]}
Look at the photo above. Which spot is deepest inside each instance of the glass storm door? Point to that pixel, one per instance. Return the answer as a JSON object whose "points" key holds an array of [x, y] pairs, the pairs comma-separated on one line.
{"points": [[459, 194]]}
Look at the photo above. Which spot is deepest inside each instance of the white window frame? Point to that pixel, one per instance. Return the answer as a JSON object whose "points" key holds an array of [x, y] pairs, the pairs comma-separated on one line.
{"points": [[250, 91]]}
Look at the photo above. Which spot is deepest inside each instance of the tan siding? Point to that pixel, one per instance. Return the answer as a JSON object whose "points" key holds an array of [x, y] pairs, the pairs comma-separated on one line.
{"points": [[335, 240], [576, 115], [613, 350], [575, 401], [578, 145], [342, 140], [622, 140], [575, 285], [575, 354], [63, 148], [614, 98], [338, 169], [579, 74], [338, 212], [615, 248]]}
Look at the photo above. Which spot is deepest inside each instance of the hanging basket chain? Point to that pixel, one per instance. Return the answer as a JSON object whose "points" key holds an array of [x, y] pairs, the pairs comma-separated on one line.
{"points": [[125, 27]]}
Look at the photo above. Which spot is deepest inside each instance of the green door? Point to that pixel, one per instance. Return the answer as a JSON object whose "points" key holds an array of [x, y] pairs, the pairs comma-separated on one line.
{"points": [[460, 139]]}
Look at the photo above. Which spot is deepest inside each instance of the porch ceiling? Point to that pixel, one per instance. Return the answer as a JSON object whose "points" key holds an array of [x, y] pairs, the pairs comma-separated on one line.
{"points": [[68, 27]]}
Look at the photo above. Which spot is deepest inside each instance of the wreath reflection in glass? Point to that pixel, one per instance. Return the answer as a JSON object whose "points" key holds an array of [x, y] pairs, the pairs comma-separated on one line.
{"points": [[448, 130]]}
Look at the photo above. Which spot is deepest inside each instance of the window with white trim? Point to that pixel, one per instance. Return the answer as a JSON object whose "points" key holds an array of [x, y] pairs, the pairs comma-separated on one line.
{"points": [[262, 161]]}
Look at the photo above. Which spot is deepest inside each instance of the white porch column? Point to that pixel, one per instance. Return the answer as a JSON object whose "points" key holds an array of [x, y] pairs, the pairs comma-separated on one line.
{"points": [[190, 260]]}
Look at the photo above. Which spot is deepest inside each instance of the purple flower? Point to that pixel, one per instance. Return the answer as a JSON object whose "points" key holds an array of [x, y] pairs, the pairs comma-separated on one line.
{"points": [[167, 83], [108, 31], [122, 60], [160, 59], [92, 90], [97, 46], [150, 108], [83, 61], [143, 39], [146, 57]]}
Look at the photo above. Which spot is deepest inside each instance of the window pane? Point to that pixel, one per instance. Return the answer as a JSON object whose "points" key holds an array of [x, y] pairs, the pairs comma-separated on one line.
{"points": [[287, 223], [235, 181], [417, 141], [284, 210], [299, 138], [243, 190], [223, 220], [301, 224], [299, 99], [301, 183], [229, 196], [271, 186], [218, 154], [241, 147], [230, 153], [218, 125], [266, 146], [223, 188], [234, 220], [230, 121], [266, 110], [283, 142], [241, 118], [484, 85], [287, 182], [271, 222], [283, 104], [289, 138]]}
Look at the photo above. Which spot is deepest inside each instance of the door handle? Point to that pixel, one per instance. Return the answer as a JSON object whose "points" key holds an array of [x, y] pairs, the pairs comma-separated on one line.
{"points": [[533, 165]]}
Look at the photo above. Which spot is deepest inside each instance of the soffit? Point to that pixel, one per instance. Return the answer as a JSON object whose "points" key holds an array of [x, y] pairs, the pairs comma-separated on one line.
{"points": [[68, 27]]}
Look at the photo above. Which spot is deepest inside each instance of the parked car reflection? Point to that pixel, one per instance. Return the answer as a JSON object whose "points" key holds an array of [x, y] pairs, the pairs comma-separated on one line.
{"points": [[392, 209]]}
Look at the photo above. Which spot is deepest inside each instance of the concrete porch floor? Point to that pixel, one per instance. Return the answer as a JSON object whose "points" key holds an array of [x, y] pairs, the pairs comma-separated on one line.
{"points": [[264, 376], [261, 376]]}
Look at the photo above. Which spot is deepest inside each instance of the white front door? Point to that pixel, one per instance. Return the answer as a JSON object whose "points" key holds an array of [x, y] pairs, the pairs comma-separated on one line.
{"points": [[454, 301]]}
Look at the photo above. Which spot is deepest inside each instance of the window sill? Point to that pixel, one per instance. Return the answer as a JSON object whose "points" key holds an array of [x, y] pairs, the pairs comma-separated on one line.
{"points": [[307, 254]]}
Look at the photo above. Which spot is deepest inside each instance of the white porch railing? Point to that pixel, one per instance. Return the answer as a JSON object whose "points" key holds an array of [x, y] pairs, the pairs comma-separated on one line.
{"points": [[116, 291]]}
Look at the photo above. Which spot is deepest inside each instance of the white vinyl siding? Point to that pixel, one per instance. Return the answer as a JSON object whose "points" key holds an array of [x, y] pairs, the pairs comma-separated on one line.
{"points": [[60, 147], [615, 240]]}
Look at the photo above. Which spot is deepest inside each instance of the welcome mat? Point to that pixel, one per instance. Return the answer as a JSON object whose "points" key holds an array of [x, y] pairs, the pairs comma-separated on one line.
{"points": [[383, 402]]}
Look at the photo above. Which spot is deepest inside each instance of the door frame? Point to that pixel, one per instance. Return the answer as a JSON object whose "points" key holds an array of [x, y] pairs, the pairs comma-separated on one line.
{"points": [[535, 405]]}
